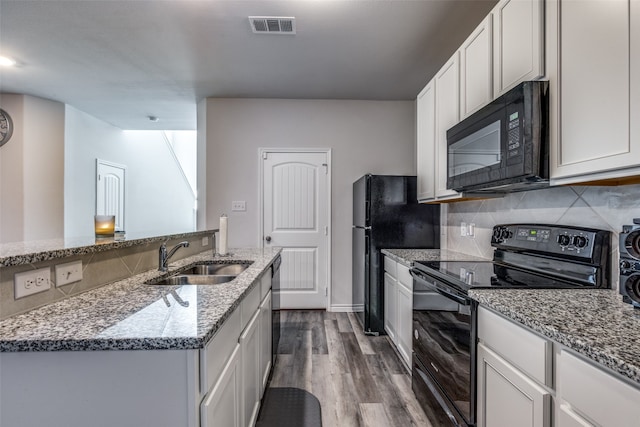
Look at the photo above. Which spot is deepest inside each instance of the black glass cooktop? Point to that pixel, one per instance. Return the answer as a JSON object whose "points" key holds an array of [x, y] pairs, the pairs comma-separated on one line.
{"points": [[487, 274]]}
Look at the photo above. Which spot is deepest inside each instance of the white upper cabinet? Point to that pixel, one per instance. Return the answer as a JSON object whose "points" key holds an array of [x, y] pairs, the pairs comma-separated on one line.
{"points": [[518, 51], [447, 83], [476, 69], [426, 142], [595, 139]]}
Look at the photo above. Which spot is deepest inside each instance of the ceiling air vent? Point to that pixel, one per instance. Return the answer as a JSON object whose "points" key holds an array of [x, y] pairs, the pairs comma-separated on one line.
{"points": [[273, 24]]}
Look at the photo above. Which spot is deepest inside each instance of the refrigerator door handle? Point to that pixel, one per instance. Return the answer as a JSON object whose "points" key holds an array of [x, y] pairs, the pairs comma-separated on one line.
{"points": [[366, 212]]}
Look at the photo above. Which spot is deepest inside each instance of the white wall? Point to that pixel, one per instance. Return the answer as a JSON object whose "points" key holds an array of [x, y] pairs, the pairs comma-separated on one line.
{"points": [[365, 137], [158, 199], [31, 170]]}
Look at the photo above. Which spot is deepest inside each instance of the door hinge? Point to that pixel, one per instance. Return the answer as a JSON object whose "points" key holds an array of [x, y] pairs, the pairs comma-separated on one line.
{"points": [[326, 168], [265, 155], [326, 230], [326, 292]]}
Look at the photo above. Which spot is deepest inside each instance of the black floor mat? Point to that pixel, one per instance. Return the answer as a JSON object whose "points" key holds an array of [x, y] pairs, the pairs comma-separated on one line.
{"points": [[289, 407]]}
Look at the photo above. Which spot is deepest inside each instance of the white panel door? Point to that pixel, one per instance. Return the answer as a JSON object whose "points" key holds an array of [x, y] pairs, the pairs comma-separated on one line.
{"points": [[296, 218], [110, 187]]}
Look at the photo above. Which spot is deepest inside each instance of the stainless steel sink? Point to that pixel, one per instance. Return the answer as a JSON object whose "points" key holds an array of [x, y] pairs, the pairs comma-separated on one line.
{"points": [[217, 269], [193, 279]]}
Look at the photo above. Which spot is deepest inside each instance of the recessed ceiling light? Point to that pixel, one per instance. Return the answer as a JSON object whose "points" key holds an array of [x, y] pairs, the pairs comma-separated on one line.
{"points": [[153, 119], [5, 61]]}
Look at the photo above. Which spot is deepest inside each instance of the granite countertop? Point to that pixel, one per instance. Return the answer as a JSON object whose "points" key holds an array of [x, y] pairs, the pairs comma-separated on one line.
{"points": [[595, 323], [129, 315], [19, 253], [408, 256]]}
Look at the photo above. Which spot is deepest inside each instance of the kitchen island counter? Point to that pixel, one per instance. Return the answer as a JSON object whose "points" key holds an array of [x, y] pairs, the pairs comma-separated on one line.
{"points": [[130, 315]]}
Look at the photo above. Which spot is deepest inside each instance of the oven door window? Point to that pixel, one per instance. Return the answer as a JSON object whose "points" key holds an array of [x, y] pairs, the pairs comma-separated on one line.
{"points": [[442, 342], [479, 150]]}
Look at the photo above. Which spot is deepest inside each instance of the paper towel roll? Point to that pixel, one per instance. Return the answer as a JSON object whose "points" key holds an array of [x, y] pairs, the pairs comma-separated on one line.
{"points": [[222, 246]]}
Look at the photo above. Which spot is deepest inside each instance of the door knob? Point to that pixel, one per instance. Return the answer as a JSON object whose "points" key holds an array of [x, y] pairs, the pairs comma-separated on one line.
{"points": [[268, 239]]}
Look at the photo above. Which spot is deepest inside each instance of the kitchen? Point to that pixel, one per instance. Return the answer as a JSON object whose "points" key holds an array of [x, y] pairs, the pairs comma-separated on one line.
{"points": [[235, 126]]}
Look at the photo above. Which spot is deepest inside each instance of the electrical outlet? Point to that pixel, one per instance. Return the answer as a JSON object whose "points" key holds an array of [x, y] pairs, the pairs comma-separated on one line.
{"points": [[31, 282], [463, 229], [471, 230], [68, 273], [239, 206], [205, 241]]}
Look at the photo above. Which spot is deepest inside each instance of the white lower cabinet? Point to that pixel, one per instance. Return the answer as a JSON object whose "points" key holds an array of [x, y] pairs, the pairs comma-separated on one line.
{"points": [[222, 406], [251, 378], [588, 395], [390, 306], [517, 387], [398, 307], [507, 397], [265, 341]]}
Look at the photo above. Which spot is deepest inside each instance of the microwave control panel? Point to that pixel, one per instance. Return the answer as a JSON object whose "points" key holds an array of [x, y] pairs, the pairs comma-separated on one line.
{"points": [[513, 136]]}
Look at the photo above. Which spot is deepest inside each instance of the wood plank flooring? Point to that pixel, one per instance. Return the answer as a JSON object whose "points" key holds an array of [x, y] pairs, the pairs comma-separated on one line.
{"points": [[359, 380]]}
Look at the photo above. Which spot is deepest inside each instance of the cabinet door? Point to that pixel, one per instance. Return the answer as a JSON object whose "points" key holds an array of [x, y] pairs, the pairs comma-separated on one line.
{"points": [[567, 418], [405, 323], [447, 114], [426, 142], [265, 341], [476, 65], [518, 43], [251, 378], [390, 306], [594, 91], [508, 398], [222, 406]]}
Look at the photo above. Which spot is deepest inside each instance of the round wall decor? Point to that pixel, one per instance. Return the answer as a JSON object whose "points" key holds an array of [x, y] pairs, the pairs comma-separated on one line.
{"points": [[6, 127]]}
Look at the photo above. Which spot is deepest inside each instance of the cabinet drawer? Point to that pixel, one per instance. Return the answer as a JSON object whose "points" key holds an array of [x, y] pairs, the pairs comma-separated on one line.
{"points": [[216, 353], [529, 352], [596, 394], [404, 277], [249, 305], [390, 266]]}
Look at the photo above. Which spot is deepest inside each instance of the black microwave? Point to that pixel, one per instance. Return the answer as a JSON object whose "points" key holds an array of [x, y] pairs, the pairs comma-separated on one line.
{"points": [[503, 147]]}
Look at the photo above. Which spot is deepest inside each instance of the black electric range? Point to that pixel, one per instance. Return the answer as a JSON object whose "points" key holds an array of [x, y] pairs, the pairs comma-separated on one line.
{"points": [[526, 256]]}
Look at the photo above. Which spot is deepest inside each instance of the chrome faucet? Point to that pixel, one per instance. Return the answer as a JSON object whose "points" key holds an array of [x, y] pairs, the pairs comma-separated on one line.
{"points": [[163, 256]]}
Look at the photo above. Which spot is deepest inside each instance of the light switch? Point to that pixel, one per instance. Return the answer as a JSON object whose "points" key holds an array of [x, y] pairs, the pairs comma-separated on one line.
{"points": [[68, 273]]}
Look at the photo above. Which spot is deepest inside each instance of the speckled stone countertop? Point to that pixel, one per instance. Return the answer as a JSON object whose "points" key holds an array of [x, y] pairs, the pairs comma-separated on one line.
{"points": [[408, 256], [594, 323], [129, 315], [20, 253]]}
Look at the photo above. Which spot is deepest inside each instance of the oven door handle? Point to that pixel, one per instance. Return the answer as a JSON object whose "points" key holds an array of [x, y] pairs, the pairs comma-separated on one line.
{"points": [[424, 279]]}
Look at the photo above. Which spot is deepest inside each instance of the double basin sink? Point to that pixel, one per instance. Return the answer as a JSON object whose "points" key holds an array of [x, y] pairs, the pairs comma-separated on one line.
{"points": [[204, 274]]}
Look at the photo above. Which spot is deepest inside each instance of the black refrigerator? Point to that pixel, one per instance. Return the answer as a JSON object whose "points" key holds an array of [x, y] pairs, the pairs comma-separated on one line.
{"points": [[386, 215]]}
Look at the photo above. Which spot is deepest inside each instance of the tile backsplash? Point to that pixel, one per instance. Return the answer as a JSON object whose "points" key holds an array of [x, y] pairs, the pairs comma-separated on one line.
{"points": [[607, 208]]}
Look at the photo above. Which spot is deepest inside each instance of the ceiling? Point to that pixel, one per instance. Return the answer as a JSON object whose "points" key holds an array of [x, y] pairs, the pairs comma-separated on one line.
{"points": [[124, 60]]}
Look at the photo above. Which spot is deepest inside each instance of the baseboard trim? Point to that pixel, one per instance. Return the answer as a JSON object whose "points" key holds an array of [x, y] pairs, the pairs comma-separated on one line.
{"points": [[346, 308]]}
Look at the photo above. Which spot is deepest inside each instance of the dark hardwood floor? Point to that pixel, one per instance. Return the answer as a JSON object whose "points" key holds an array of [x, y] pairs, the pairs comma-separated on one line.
{"points": [[359, 380]]}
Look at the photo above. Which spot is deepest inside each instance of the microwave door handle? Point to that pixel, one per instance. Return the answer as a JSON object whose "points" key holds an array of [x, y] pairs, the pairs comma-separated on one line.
{"points": [[424, 279]]}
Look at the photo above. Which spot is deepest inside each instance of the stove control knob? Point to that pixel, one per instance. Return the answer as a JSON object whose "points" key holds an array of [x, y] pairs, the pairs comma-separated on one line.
{"points": [[564, 240], [624, 265], [497, 234], [580, 241]]}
